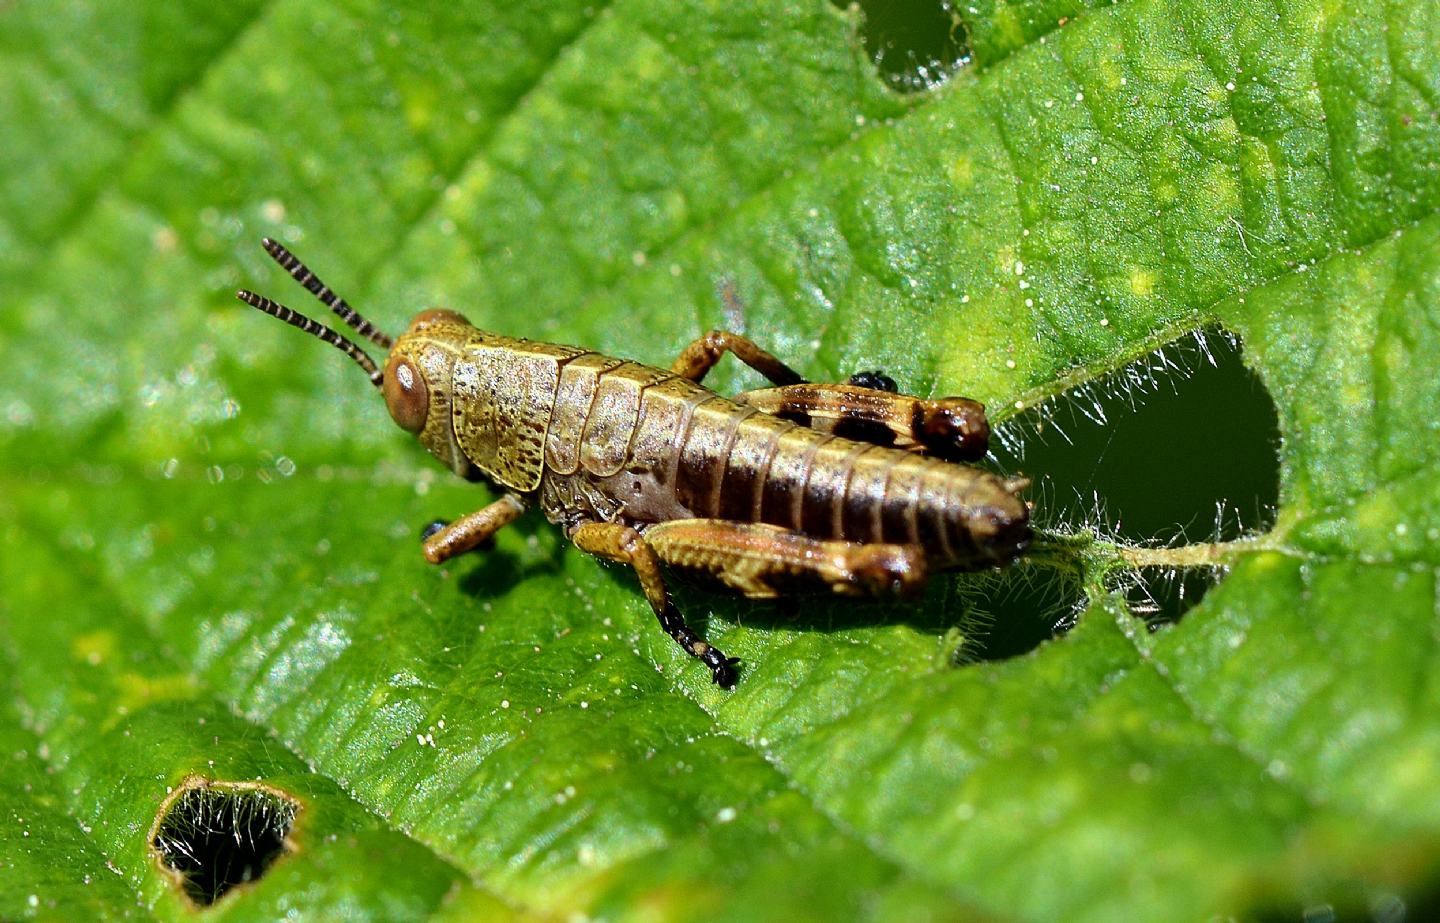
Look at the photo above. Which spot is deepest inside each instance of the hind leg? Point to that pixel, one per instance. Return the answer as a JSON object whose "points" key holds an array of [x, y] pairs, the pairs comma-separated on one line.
{"points": [[866, 407], [952, 428], [616, 542], [766, 562]]}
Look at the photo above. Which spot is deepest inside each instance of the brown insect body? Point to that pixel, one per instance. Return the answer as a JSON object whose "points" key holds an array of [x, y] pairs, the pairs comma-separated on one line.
{"points": [[648, 467], [596, 439]]}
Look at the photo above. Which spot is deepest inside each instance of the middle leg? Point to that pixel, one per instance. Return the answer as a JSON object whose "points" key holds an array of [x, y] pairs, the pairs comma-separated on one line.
{"points": [[701, 355]]}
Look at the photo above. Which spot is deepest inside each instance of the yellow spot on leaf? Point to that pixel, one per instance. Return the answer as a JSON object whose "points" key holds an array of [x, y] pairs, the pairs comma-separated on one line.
{"points": [[1269, 561], [419, 111], [1110, 74], [1220, 184], [962, 171], [1142, 282], [137, 691], [1414, 770], [1356, 396], [94, 647], [990, 325], [1377, 512], [476, 180]]}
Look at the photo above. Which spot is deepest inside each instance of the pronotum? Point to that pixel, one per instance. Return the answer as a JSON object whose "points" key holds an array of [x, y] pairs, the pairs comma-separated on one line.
{"points": [[846, 488]]}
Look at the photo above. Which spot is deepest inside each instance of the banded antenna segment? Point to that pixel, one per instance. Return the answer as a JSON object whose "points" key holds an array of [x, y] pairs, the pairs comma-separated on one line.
{"points": [[291, 264], [316, 329]]}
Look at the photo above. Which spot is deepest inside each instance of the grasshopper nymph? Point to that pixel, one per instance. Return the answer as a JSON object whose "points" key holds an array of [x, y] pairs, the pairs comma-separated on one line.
{"points": [[847, 488]]}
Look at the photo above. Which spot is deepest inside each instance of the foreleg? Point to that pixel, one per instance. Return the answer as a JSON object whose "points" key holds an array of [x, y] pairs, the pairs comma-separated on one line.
{"points": [[442, 541]]}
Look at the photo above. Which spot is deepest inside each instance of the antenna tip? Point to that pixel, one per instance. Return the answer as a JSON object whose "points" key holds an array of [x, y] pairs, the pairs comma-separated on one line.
{"points": [[247, 296]]}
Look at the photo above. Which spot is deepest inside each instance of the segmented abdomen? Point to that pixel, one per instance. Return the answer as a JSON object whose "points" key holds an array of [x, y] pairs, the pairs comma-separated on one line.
{"points": [[736, 463]]}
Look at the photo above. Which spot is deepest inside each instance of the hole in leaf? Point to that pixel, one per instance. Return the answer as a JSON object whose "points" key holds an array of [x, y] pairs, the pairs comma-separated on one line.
{"points": [[1179, 447], [916, 44], [212, 836], [1023, 608], [1160, 595]]}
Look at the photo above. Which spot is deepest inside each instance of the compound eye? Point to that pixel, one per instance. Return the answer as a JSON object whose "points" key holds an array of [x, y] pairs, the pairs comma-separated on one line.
{"points": [[406, 394]]}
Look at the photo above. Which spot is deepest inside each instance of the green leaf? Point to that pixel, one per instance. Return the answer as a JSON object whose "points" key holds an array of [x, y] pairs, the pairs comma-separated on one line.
{"points": [[208, 523]]}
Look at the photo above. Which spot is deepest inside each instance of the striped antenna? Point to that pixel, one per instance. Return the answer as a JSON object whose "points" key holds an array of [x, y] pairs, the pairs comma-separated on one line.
{"points": [[291, 264], [315, 329]]}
